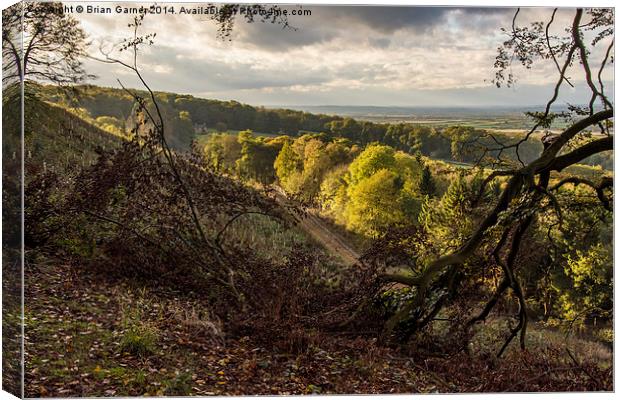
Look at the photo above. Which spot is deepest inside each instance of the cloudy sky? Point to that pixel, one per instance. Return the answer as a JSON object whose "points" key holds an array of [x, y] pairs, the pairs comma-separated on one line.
{"points": [[339, 55]]}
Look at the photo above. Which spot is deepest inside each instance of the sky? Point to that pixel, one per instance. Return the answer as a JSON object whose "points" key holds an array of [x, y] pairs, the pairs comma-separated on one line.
{"points": [[338, 55]]}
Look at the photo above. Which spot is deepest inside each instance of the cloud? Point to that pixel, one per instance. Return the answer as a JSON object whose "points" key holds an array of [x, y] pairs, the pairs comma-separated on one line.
{"points": [[389, 19], [276, 38], [205, 75], [338, 55], [376, 23]]}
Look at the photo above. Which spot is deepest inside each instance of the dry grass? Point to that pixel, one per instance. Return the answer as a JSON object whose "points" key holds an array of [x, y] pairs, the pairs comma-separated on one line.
{"points": [[540, 338]]}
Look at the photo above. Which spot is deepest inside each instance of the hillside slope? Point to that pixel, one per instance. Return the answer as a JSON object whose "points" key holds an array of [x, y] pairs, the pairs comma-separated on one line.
{"points": [[53, 136]]}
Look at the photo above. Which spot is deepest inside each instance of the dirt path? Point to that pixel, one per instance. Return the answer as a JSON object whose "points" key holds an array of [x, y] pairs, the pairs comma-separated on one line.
{"points": [[319, 230]]}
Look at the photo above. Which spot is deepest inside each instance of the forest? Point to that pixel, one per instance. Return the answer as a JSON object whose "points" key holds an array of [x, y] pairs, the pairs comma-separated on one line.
{"points": [[183, 246]]}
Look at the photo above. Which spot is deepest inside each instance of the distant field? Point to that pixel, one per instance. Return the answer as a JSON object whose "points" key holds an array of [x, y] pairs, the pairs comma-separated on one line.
{"points": [[497, 119], [511, 125]]}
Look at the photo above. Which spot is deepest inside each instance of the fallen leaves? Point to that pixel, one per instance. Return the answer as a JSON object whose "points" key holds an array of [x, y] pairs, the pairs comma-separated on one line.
{"points": [[88, 316]]}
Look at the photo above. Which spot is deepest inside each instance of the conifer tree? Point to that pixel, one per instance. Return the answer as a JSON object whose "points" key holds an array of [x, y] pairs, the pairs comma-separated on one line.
{"points": [[427, 185]]}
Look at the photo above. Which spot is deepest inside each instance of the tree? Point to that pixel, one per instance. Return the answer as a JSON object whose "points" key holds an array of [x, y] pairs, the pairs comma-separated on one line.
{"points": [[374, 158], [333, 195], [222, 152], [180, 177], [374, 203], [53, 47], [302, 164], [381, 190], [588, 292], [257, 158], [528, 194], [319, 158], [447, 218], [427, 185], [576, 282], [287, 164], [221, 127]]}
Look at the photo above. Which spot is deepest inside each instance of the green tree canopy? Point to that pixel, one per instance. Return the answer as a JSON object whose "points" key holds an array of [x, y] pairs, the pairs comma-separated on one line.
{"points": [[373, 159]]}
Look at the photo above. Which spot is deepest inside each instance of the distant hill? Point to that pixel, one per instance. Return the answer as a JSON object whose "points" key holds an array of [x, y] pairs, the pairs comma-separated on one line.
{"points": [[185, 115]]}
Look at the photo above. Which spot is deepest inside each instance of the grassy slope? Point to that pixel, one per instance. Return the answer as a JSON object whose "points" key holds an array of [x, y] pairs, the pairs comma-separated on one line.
{"points": [[59, 139]]}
